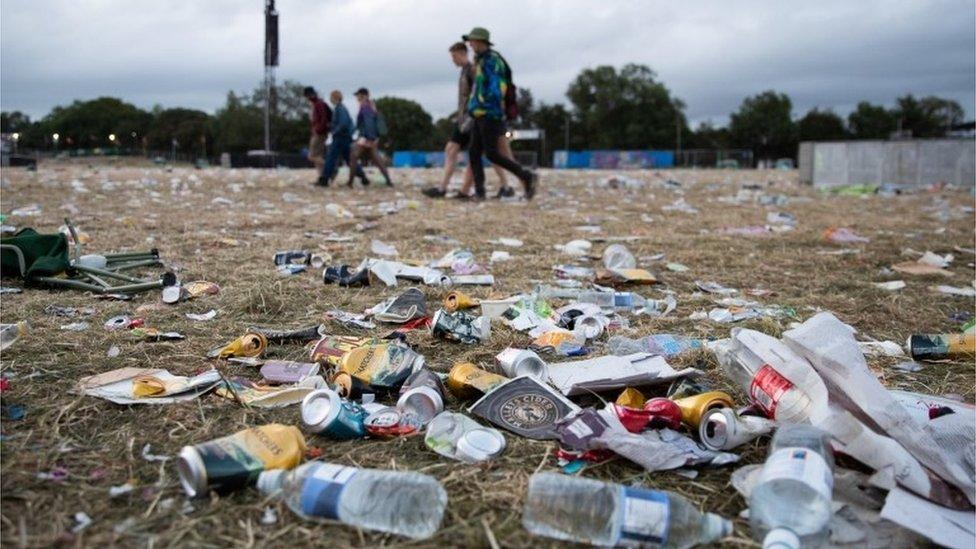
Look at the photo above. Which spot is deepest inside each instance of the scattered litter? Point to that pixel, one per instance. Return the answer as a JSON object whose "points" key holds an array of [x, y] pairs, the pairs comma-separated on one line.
{"points": [[499, 256], [843, 235], [379, 247], [269, 516], [891, 285], [201, 317], [83, 521], [963, 291], [147, 386]]}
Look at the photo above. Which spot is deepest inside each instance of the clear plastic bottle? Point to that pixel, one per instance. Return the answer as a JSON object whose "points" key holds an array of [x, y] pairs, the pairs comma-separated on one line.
{"points": [[600, 513], [617, 256], [10, 333], [790, 504], [666, 345], [775, 395], [405, 503]]}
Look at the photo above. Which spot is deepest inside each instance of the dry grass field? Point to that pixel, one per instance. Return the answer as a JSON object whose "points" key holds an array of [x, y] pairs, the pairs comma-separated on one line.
{"points": [[225, 225]]}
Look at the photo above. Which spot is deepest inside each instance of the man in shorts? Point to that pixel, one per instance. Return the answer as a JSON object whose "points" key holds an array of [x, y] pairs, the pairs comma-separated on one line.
{"points": [[320, 116], [461, 135]]}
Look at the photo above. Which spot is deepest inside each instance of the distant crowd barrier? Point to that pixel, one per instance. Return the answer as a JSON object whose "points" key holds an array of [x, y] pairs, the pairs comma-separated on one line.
{"points": [[612, 160], [608, 160]]}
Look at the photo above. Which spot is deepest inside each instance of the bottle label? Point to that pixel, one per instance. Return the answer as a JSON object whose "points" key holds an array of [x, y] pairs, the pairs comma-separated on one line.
{"points": [[645, 517], [323, 488], [801, 464], [767, 387]]}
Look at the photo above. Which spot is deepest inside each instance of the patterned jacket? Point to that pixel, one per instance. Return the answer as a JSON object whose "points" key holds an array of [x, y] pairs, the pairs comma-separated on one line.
{"points": [[490, 84]]}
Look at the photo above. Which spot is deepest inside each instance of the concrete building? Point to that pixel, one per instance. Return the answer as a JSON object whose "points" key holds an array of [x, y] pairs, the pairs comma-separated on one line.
{"points": [[916, 162]]}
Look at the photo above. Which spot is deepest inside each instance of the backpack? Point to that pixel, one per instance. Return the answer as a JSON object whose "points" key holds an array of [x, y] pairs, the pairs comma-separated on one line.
{"points": [[510, 102]]}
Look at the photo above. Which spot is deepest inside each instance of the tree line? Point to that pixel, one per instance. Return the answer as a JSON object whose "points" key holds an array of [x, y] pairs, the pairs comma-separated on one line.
{"points": [[606, 108]]}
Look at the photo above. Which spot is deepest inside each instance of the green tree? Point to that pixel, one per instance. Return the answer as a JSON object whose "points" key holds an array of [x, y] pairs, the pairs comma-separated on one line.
{"points": [[764, 124], [819, 125], [289, 116], [869, 121], [89, 124], [626, 109], [410, 127], [191, 128], [707, 136], [443, 129], [14, 121], [238, 126], [927, 117]]}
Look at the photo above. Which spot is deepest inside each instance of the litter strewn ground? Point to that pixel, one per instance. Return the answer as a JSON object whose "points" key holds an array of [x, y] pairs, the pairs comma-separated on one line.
{"points": [[62, 459]]}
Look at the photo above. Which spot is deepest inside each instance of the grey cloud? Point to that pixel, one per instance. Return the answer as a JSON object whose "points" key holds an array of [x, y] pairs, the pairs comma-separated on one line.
{"points": [[711, 54]]}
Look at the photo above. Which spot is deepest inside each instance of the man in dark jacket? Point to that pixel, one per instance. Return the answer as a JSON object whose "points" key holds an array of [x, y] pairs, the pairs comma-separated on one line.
{"points": [[341, 143], [487, 108], [321, 116]]}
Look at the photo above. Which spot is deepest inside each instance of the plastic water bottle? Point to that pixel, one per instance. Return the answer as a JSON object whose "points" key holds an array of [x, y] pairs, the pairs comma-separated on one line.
{"points": [[666, 345], [617, 256], [790, 504], [775, 395], [405, 503], [11, 332], [600, 513]]}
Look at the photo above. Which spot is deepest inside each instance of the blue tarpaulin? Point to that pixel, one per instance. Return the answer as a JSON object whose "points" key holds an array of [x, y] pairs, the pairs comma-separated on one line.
{"points": [[612, 160]]}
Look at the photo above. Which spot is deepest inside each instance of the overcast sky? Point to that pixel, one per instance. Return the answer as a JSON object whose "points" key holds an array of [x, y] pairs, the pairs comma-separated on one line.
{"points": [[709, 53]]}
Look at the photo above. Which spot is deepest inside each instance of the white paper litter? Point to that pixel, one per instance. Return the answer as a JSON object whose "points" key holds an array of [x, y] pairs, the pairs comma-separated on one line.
{"points": [[881, 348], [613, 372], [891, 285], [830, 347], [116, 385], [202, 317], [379, 247], [964, 291], [936, 260], [498, 256], [946, 527]]}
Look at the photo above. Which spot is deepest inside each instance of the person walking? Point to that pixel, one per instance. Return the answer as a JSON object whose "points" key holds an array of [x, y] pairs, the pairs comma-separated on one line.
{"points": [[487, 107], [368, 124], [341, 143], [321, 116], [461, 135]]}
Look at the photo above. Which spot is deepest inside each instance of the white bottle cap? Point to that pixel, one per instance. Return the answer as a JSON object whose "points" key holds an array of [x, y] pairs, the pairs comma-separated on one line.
{"points": [[781, 538], [480, 445], [718, 527], [270, 481]]}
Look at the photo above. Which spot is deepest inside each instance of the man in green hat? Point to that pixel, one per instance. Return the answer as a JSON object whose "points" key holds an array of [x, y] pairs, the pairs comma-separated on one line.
{"points": [[492, 79]]}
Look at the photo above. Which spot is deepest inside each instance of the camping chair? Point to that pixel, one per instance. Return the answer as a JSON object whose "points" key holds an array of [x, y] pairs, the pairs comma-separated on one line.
{"points": [[43, 258]]}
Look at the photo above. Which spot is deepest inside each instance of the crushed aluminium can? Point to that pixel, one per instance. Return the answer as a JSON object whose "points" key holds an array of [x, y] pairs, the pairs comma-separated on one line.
{"points": [[236, 461], [520, 362], [693, 408], [466, 380], [292, 257], [942, 346], [382, 366], [460, 327], [421, 396], [724, 429], [326, 413], [329, 350]]}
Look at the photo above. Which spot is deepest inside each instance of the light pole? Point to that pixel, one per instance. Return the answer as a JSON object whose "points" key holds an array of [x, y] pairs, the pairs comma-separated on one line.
{"points": [[55, 136], [270, 62], [16, 138]]}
